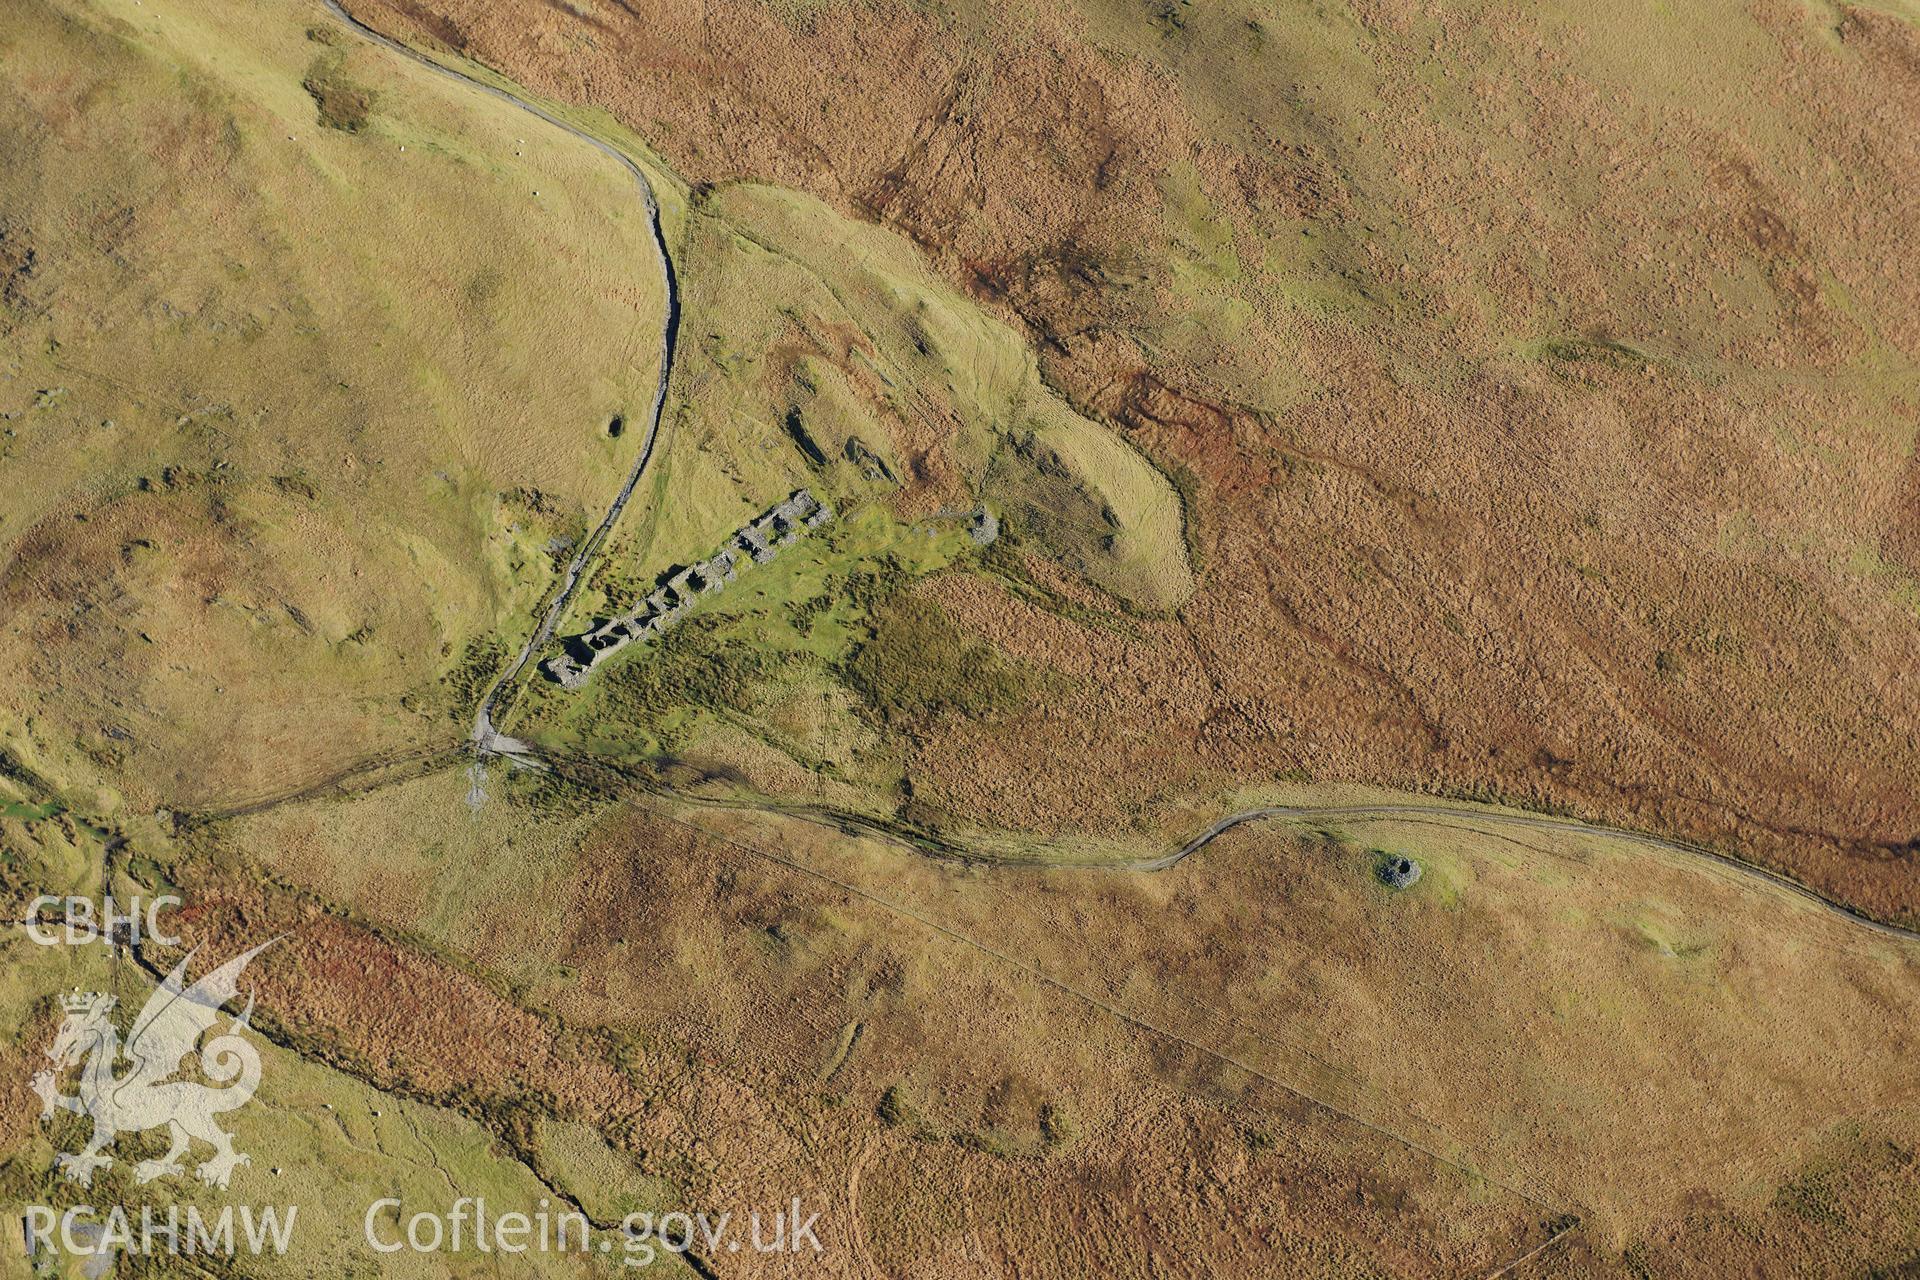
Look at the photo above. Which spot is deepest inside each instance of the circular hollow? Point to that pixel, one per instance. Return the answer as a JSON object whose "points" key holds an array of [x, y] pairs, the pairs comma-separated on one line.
{"points": [[616, 426]]}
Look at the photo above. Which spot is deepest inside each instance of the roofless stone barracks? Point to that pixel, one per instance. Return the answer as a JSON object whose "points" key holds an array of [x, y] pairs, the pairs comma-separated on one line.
{"points": [[756, 543]]}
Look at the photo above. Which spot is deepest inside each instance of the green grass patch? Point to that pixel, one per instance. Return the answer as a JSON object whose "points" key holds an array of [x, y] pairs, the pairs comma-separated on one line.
{"points": [[779, 629], [342, 103], [917, 668]]}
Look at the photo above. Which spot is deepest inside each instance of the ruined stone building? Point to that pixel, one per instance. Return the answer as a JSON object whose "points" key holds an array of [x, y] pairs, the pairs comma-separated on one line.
{"points": [[756, 543]]}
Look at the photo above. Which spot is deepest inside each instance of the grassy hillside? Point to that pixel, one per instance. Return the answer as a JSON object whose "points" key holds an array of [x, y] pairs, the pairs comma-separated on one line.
{"points": [[299, 410], [1674, 1051], [1515, 404], [1541, 381]]}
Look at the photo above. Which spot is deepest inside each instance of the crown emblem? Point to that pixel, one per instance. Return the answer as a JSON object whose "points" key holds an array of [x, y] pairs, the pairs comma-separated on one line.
{"points": [[78, 1001]]}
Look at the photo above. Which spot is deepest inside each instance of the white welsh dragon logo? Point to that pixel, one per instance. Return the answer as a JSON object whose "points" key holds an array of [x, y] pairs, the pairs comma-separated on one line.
{"points": [[168, 1029]]}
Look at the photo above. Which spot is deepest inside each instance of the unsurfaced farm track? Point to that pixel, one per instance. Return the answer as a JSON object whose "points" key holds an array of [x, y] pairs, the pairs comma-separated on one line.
{"points": [[486, 740]]}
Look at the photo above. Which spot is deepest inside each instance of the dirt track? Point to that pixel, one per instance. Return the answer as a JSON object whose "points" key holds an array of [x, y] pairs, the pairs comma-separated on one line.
{"points": [[486, 739], [1470, 818]]}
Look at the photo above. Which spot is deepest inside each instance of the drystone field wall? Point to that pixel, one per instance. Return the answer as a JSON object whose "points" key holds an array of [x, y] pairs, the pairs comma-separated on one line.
{"points": [[756, 543]]}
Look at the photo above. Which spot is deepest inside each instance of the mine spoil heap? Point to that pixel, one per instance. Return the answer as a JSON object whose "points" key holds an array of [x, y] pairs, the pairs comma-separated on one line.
{"points": [[756, 543]]}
